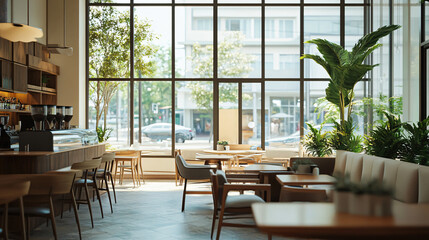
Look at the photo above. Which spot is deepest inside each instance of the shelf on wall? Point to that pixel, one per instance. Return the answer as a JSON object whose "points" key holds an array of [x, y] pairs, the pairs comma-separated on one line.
{"points": [[14, 111]]}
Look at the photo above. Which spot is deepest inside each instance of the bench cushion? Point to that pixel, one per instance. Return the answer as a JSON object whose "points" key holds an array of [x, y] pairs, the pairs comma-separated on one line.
{"points": [[423, 184], [340, 163], [390, 172], [373, 168], [406, 188], [354, 166]]}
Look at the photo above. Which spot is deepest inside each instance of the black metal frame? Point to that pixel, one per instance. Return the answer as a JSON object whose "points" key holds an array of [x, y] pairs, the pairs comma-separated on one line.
{"points": [[367, 5], [424, 48]]}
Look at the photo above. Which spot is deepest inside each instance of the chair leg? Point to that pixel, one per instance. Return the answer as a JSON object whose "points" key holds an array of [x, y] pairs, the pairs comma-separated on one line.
{"points": [[52, 215], [219, 223], [141, 170], [108, 193], [5, 221], [73, 203], [21, 213], [27, 224], [213, 222], [113, 187], [89, 204], [184, 195], [98, 196]]}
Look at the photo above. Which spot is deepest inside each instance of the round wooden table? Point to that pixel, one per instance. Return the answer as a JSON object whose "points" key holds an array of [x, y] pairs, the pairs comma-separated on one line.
{"points": [[214, 158]]}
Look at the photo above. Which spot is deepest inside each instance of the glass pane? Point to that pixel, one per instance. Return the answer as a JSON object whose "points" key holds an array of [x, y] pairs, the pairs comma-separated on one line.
{"points": [[239, 42], [282, 42], [194, 1], [282, 116], [399, 58], [427, 82], [325, 1], [155, 116], [228, 112], [152, 1], [319, 22], [426, 21], [109, 42], [116, 118], [380, 74], [152, 39], [239, 1], [194, 42], [354, 27], [194, 114], [251, 114], [282, 1]]}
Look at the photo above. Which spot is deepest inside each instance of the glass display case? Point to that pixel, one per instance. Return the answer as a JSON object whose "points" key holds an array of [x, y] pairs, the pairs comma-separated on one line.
{"points": [[74, 137]]}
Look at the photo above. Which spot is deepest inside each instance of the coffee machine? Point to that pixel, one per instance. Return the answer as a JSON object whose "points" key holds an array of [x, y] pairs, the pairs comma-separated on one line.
{"points": [[52, 113], [59, 117], [39, 113], [4, 137]]}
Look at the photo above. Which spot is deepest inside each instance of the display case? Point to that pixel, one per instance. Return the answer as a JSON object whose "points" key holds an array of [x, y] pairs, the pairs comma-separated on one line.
{"points": [[74, 137]]}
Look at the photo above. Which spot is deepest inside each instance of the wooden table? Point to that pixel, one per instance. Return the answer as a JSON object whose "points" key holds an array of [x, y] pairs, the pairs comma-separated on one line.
{"points": [[235, 153], [305, 179], [214, 157], [319, 220], [263, 167]]}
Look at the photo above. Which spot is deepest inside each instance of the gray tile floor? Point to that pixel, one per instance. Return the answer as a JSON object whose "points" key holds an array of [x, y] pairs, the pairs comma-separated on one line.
{"points": [[151, 211]]}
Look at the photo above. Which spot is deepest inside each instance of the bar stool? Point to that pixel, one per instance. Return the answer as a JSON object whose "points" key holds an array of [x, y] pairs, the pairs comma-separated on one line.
{"points": [[10, 192], [128, 161], [84, 182], [105, 173]]}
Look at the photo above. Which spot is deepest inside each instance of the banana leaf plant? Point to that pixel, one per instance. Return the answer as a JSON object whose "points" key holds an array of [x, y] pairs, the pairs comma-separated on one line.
{"points": [[346, 68]]}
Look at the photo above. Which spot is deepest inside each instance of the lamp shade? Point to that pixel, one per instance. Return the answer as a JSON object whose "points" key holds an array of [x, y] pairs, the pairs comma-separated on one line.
{"points": [[19, 32]]}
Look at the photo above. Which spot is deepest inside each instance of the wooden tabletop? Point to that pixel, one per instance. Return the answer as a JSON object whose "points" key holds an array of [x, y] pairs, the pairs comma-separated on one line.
{"points": [[234, 152], [319, 220], [263, 167], [305, 179], [214, 157]]}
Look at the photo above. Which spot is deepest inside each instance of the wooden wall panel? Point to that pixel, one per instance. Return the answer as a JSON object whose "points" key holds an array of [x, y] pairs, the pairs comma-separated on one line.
{"points": [[20, 51], [5, 49], [91, 152], [59, 160], [76, 156]]}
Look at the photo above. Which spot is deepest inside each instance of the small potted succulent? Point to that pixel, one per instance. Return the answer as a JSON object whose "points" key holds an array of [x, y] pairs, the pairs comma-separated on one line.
{"points": [[221, 145], [342, 193], [302, 166], [360, 200], [381, 199]]}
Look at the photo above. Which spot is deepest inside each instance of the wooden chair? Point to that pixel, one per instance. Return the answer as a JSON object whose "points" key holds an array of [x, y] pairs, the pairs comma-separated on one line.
{"points": [[129, 161], [192, 172], [10, 192], [87, 180], [105, 174], [233, 205], [40, 198], [245, 159], [177, 176]]}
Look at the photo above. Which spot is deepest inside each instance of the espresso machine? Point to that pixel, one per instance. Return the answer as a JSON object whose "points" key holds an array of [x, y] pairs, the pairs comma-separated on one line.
{"points": [[68, 115], [39, 113], [59, 117], [4, 137]]}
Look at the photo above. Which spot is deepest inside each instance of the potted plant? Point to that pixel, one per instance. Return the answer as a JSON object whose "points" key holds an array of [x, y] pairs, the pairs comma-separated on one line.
{"points": [[342, 193], [387, 139], [416, 147], [381, 199], [316, 142], [345, 70], [303, 165], [221, 145]]}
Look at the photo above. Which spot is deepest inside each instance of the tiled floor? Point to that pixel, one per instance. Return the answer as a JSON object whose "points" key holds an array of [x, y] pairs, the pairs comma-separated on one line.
{"points": [[151, 211]]}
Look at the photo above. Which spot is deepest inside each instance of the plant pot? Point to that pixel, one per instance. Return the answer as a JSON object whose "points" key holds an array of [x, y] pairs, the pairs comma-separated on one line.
{"points": [[226, 148], [341, 201], [220, 147], [381, 205], [360, 204]]}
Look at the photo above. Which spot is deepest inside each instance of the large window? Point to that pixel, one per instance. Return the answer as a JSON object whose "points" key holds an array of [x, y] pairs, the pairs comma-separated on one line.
{"points": [[189, 73]]}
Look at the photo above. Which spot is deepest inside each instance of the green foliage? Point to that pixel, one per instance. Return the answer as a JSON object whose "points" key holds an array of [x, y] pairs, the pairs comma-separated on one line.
{"points": [[416, 148], [103, 134], [224, 143], [343, 138], [316, 142], [346, 68], [387, 139]]}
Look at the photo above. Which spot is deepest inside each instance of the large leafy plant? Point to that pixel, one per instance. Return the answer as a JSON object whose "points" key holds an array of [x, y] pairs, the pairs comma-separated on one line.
{"points": [[343, 137], [316, 142], [387, 139], [346, 68], [416, 148]]}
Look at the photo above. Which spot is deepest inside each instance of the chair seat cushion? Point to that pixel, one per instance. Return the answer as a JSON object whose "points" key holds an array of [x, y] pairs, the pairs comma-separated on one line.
{"points": [[30, 211], [242, 201], [82, 181]]}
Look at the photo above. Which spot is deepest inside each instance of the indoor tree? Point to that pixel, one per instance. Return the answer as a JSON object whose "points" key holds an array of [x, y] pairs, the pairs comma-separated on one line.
{"points": [[345, 69]]}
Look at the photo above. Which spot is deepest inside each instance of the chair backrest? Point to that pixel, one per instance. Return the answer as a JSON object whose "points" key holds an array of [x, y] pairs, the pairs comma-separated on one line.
{"points": [[127, 152], [108, 157], [87, 165], [181, 165], [214, 189], [12, 191], [50, 184], [239, 146]]}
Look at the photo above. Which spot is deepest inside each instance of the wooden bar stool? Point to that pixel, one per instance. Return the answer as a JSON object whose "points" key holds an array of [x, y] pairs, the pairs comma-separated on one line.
{"points": [[9, 192], [128, 161], [87, 180], [105, 174]]}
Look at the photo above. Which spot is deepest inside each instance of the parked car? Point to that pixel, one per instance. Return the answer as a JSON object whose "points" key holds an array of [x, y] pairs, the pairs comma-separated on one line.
{"points": [[162, 131]]}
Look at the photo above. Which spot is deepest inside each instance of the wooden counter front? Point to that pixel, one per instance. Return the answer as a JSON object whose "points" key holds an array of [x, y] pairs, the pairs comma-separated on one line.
{"points": [[16, 162]]}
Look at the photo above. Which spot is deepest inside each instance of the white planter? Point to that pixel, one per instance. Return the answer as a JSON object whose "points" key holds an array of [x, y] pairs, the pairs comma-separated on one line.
{"points": [[219, 147], [360, 204], [381, 206], [226, 148], [341, 201]]}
